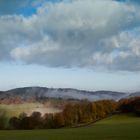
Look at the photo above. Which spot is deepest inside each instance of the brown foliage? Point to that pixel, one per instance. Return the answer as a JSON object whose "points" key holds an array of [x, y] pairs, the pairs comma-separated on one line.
{"points": [[73, 114]]}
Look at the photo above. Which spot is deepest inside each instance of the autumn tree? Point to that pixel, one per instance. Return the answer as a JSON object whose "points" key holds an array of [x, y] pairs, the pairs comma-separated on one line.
{"points": [[48, 120], [59, 120]]}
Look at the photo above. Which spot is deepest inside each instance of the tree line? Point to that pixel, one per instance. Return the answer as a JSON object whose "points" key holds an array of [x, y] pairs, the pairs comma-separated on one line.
{"points": [[73, 114], [130, 105]]}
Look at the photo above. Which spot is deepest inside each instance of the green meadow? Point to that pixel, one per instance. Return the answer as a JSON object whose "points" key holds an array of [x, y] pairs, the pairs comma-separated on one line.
{"points": [[16, 109], [117, 127]]}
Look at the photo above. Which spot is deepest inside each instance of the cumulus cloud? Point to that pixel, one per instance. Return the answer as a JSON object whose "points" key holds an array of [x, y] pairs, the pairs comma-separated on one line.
{"points": [[75, 33], [126, 50]]}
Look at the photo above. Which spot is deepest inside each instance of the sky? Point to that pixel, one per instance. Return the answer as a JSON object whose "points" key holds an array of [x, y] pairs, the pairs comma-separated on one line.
{"points": [[83, 44]]}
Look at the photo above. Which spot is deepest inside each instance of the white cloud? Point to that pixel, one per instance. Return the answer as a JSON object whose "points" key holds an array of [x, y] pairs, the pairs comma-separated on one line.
{"points": [[75, 33], [126, 47]]}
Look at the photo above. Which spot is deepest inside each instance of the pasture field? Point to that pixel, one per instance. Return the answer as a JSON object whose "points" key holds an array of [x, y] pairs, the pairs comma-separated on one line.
{"points": [[15, 109], [117, 127]]}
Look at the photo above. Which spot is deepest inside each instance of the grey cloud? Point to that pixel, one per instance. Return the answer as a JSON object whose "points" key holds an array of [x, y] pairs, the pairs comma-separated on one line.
{"points": [[127, 50], [74, 34]]}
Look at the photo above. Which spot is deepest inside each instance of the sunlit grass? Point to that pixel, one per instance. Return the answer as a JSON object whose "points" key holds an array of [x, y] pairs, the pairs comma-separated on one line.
{"points": [[117, 127], [16, 109]]}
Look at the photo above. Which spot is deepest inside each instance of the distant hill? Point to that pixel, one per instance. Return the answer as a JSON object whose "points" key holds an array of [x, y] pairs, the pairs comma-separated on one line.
{"points": [[1, 92], [36, 93], [134, 94]]}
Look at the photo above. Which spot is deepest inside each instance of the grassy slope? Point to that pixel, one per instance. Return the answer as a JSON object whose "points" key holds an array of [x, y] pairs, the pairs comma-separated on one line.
{"points": [[118, 127], [15, 109]]}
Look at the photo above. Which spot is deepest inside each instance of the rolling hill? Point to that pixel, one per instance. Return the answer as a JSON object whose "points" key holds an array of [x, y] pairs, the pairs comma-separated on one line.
{"points": [[36, 93]]}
